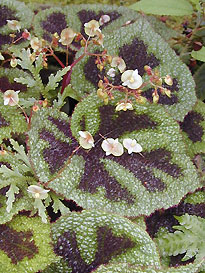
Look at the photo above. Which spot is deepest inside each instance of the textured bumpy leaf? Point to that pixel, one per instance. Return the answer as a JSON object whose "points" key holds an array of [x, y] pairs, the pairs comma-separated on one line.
{"points": [[7, 81], [11, 121], [91, 238], [52, 20], [161, 28], [125, 268], [25, 245], [139, 45], [13, 10], [200, 82], [193, 129], [130, 184], [161, 7]]}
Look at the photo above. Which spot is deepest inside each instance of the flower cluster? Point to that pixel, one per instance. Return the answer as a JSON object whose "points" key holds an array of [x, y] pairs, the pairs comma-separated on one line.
{"points": [[156, 81], [109, 145]]}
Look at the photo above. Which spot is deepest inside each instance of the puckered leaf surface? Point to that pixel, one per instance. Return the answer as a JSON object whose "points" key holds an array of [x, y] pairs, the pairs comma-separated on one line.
{"points": [[11, 121], [139, 45], [7, 81], [125, 268], [193, 129], [91, 238], [13, 10], [25, 245], [130, 184]]}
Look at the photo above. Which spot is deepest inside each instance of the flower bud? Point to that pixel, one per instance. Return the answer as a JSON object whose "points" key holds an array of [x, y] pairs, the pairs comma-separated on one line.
{"points": [[168, 80], [148, 70], [155, 97], [167, 92]]}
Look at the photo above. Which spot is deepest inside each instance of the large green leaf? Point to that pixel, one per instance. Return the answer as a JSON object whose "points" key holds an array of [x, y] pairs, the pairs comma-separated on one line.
{"points": [[139, 45], [25, 245], [11, 121], [161, 7], [8, 81], [91, 238], [13, 10], [125, 268], [193, 129], [130, 184], [55, 19]]}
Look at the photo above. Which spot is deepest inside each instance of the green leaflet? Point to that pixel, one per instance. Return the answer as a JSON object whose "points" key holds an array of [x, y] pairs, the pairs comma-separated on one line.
{"points": [[193, 129], [139, 45], [199, 55], [200, 82], [161, 7], [25, 245], [129, 185], [196, 197], [187, 239], [90, 238]]}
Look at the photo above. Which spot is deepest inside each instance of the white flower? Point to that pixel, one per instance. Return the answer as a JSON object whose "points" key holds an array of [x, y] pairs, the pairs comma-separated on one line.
{"points": [[124, 106], [36, 44], [104, 19], [11, 97], [119, 63], [14, 25], [38, 192], [1, 57], [86, 140], [91, 27], [112, 146], [132, 146], [100, 37], [67, 36], [111, 72], [132, 79]]}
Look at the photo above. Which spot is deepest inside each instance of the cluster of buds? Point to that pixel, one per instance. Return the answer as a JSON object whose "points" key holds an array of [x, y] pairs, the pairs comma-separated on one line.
{"points": [[157, 82], [102, 59], [38, 104], [104, 90]]}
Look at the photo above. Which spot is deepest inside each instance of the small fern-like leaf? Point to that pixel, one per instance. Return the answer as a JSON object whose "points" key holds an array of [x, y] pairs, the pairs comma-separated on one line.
{"points": [[54, 80], [186, 239], [27, 80], [11, 196]]}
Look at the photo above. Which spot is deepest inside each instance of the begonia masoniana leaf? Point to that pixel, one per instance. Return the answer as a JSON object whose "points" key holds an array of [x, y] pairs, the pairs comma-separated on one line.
{"points": [[125, 268], [131, 184], [88, 239], [193, 129], [139, 45], [50, 21], [13, 10], [7, 82], [25, 245], [11, 121]]}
